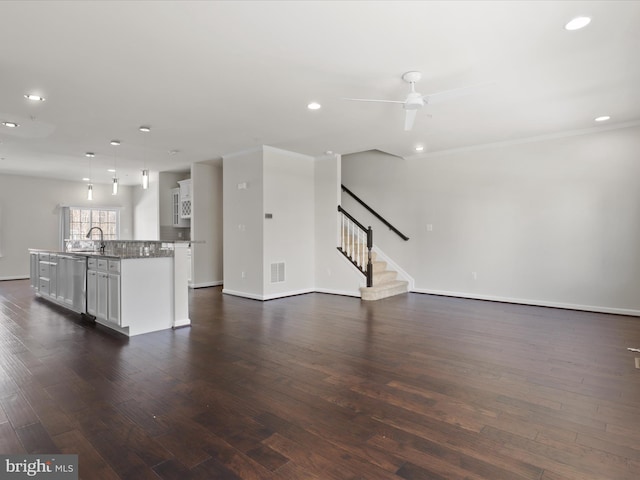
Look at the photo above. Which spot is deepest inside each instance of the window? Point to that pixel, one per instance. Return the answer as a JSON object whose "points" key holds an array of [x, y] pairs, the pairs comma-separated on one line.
{"points": [[77, 221]]}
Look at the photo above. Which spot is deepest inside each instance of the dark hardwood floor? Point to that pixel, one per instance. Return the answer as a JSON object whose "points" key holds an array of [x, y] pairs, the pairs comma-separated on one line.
{"points": [[326, 387]]}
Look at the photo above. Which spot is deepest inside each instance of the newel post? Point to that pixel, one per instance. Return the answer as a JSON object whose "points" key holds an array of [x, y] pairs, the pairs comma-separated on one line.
{"points": [[369, 262]]}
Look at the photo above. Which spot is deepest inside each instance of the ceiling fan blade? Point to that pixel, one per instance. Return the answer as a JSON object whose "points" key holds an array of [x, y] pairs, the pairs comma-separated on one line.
{"points": [[409, 118], [453, 93], [371, 100]]}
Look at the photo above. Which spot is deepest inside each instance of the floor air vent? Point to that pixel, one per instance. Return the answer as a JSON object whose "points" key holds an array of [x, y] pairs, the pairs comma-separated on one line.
{"points": [[277, 272]]}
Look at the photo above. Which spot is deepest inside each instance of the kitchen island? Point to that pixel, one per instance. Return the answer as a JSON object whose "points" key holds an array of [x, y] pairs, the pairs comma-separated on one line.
{"points": [[132, 288]]}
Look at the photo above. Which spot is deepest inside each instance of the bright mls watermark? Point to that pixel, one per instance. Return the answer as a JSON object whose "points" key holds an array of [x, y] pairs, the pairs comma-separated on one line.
{"points": [[44, 467]]}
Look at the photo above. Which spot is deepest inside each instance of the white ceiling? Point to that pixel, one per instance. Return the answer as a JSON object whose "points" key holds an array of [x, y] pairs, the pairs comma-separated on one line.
{"points": [[214, 78]]}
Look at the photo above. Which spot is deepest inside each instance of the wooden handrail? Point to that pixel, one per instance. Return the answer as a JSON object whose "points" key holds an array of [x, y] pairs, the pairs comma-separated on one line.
{"points": [[374, 213]]}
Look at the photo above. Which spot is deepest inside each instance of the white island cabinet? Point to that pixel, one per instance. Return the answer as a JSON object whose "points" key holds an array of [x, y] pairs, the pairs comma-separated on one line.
{"points": [[131, 295], [127, 292]]}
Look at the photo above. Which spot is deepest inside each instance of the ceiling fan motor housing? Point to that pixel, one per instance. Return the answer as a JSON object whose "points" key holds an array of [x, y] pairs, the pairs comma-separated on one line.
{"points": [[414, 101]]}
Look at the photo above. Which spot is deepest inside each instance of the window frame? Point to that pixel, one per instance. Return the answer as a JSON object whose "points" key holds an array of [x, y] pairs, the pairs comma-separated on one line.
{"points": [[66, 222]]}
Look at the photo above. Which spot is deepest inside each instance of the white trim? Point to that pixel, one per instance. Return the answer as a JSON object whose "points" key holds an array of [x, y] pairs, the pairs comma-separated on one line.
{"points": [[273, 296], [242, 294], [242, 152], [343, 293], [402, 274], [253, 296], [205, 284], [287, 152], [519, 141], [538, 303], [95, 207], [17, 277]]}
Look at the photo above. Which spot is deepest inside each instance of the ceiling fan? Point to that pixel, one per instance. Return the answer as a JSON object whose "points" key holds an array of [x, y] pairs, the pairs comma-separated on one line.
{"points": [[415, 100]]}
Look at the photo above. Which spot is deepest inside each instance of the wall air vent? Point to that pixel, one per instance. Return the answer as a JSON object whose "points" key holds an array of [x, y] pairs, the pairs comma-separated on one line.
{"points": [[277, 272]]}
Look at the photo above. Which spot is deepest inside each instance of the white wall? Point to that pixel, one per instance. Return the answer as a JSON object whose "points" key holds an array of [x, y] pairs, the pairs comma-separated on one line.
{"points": [[333, 273], [146, 210], [550, 222], [288, 194], [206, 224], [243, 223], [268, 180], [31, 215]]}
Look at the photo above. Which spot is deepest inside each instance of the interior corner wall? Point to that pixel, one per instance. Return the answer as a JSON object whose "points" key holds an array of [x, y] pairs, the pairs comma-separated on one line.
{"points": [[206, 224], [146, 210], [288, 194], [243, 210], [547, 222], [31, 216], [333, 273]]}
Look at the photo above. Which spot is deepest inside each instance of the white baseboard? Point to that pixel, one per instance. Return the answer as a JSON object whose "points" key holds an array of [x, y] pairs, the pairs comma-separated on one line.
{"points": [[538, 303], [263, 298], [184, 322], [344, 293], [206, 284], [18, 277]]}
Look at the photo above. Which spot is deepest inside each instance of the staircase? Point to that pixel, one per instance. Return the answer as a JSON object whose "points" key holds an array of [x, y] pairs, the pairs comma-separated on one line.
{"points": [[385, 282], [356, 244]]}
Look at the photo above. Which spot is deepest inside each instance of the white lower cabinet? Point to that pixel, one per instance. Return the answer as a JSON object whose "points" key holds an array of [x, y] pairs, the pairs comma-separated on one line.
{"points": [[103, 286], [92, 292], [59, 278], [103, 290], [113, 297]]}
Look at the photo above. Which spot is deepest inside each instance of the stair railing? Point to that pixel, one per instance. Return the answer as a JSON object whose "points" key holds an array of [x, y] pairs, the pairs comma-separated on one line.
{"points": [[356, 242], [374, 213]]}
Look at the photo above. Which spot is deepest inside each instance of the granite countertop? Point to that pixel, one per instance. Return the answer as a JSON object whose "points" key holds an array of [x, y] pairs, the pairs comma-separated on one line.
{"points": [[120, 256]]}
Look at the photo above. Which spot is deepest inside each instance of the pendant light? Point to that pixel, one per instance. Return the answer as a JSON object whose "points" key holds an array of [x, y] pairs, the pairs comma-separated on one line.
{"points": [[90, 155], [145, 172], [114, 188], [145, 178]]}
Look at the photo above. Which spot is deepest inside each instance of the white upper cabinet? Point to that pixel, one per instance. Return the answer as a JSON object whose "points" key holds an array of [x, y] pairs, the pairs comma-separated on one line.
{"points": [[185, 198]]}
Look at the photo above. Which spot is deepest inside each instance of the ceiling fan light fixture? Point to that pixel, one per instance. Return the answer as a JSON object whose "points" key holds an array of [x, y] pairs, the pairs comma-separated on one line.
{"points": [[602, 118], [577, 23], [34, 97], [314, 106]]}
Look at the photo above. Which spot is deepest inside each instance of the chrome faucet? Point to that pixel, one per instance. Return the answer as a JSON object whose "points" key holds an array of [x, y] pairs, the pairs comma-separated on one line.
{"points": [[102, 244]]}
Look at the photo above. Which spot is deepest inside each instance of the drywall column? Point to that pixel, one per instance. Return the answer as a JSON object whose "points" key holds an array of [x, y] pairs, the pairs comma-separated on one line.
{"points": [[289, 240], [243, 224], [206, 225], [333, 272]]}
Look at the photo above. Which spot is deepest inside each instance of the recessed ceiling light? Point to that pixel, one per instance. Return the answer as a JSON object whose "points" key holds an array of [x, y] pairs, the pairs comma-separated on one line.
{"points": [[577, 23], [111, 170], [86, 179], [603, 118], [115, 142], [144, 129], [174, 152], [314, 106], [10, 124], [34, 97], [419, 148], [90, 154]]}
